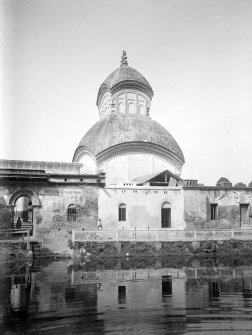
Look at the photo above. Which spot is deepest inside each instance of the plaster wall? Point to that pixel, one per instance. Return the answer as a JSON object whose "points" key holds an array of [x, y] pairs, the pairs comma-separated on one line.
{"points": [[126, 168], [143, 207], [197, 202]]}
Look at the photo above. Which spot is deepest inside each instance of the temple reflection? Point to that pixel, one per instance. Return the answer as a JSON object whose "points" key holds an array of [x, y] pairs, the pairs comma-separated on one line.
{"points": [[21, 290], [61, 291]]}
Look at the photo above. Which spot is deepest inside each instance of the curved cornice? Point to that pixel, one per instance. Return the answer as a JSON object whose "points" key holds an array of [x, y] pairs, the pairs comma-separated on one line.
{"points": [[128, 84], [81, 151], [132, 147], [124, 77]]}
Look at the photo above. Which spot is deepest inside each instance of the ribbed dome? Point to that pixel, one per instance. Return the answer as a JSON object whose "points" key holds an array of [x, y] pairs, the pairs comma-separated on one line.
{"points": [[117, 129], [124, 75]]}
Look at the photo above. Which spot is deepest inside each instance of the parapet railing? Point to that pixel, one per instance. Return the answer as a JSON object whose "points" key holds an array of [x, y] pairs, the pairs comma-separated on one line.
{"points": [[7, 235], [160, 235]]}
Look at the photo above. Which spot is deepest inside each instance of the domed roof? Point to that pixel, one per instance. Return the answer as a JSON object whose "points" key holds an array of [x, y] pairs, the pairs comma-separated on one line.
{"points": [[118, 129], [125, 76], [125, 73]]}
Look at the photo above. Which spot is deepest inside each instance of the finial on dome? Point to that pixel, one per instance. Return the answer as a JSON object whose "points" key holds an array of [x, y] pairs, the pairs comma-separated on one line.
{"points": [[124, 61]]}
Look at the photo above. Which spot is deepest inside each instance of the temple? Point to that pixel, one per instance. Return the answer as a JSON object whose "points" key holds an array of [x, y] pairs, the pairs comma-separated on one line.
{"points": [[126, 171], [126, 143]]}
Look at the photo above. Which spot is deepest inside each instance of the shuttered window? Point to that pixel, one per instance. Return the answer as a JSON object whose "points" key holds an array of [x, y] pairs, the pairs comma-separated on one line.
{"points": [[71, 213], [214, 211]]}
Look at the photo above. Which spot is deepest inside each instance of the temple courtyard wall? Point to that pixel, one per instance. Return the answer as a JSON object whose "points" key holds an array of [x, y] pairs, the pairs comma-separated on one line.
{"points": [[50, 207], [213, 207], [143, 207], [191, 208]]}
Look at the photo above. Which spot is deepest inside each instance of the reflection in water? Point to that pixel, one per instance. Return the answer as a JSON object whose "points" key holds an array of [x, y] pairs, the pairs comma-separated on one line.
{"points": [[214, 289], [64, 299], [121, 294], [166, 286], [247, 287]]}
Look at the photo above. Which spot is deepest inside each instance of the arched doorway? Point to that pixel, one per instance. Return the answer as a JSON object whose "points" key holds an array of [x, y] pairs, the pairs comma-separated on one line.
{"points": [[24, 210], [25, 204]]}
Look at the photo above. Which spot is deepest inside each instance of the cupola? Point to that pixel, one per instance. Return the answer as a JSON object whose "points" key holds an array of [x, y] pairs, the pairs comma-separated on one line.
{"points": [[125, 91]]}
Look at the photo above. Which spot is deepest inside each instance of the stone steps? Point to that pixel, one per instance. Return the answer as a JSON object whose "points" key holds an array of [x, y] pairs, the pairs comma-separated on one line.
{"points": [[24, 225]]}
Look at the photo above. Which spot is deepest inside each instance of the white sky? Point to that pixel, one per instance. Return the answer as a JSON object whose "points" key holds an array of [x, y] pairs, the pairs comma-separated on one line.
{"points": [[196, 54]]}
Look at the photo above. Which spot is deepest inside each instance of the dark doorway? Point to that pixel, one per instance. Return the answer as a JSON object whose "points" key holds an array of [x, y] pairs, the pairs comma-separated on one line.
{"points": [[166, 216], [24, 211]]}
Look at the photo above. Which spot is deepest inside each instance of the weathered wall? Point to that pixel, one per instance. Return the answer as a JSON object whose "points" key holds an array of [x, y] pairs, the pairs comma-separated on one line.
{"points": [[6, 216], [143, 207], [197, 202], [190, 207], [127, 167], [54, 200]]}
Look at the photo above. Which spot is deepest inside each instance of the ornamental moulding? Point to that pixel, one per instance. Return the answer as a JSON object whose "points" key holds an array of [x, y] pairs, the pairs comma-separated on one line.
{"points": [[132, 85], [24, 193], [81, 151], [138, 147]]}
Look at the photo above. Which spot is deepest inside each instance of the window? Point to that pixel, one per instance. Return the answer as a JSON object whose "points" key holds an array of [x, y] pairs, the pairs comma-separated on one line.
{"points": [[141, 105], [121, 107], [166, 215], [122, 212], [244, 213], [121, 103], [214, 211], [71, 213], [132, 108]]}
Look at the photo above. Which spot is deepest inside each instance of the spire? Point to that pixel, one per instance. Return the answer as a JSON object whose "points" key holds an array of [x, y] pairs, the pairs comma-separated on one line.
{"points": [[124, 61]]}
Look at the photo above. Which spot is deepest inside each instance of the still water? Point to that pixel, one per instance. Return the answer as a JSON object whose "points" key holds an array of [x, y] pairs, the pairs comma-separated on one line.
{"points": [[123, 297]]}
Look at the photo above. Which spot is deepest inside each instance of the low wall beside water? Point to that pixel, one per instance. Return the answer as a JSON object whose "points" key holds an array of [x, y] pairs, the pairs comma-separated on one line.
{"points": [[165, 249]]}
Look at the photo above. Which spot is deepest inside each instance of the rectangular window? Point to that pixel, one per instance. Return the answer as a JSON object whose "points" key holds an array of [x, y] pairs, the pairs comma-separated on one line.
{"points": [[244, 213], [166, 218], [213, 209]]}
